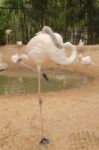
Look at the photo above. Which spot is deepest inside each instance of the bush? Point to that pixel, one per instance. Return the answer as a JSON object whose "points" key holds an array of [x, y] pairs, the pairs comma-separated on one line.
{"points": [[2, 27]]}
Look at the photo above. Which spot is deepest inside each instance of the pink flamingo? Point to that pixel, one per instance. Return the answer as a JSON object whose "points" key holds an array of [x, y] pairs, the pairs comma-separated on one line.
{"points": [[86, 61], [8, 33], [46, 45]]}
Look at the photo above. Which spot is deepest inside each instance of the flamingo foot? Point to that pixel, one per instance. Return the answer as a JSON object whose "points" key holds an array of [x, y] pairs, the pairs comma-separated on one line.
{"points": [[44, 141], [40, 100]]}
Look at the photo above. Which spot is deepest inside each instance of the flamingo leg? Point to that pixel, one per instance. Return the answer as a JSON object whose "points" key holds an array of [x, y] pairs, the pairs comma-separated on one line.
{"points": [[43, 139], [40, 100], [86, 72]]}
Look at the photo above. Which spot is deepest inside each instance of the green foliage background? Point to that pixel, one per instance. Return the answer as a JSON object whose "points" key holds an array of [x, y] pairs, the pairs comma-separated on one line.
{"points": [[73, 19]]}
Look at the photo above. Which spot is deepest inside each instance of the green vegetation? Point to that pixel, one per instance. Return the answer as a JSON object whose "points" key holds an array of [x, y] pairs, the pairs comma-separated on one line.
{"points": [[13, 85], [2, 26], [73, 19]]}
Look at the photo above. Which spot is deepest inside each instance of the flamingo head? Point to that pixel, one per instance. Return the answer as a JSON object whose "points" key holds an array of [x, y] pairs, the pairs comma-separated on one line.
{"points": [[46, 29], [16, 58]]}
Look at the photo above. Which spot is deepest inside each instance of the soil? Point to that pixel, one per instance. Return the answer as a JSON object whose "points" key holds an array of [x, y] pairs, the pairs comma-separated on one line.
{"points": [[71, 117]]}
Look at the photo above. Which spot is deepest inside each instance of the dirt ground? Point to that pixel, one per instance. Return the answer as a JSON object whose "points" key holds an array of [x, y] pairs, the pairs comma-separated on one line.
{"points": [[71, 117]]}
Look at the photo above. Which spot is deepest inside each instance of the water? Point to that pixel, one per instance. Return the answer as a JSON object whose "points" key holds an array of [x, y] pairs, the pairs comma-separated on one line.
{"points": [[15, 85]]}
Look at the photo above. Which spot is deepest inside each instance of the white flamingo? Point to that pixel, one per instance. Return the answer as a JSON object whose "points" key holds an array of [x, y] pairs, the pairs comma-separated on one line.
{"points": [[8, 32], [81, 43], [19, 44], [46, 45], [3, 66], [86, 61]]}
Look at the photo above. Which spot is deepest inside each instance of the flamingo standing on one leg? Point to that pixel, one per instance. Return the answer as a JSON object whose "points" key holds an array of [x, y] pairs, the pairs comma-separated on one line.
{"points": [[80, 45], [86, 61], [46, 45]]}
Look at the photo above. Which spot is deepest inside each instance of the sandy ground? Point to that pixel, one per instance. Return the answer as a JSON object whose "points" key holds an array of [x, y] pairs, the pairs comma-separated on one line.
{"points": [[71, 117]]}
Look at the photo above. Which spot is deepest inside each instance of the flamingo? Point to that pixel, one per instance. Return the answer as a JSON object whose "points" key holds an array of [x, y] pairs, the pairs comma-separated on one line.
{"points": [[8, 32], [86, 61], [43, 46], [81, 43], [19, 44], [3, 66]]}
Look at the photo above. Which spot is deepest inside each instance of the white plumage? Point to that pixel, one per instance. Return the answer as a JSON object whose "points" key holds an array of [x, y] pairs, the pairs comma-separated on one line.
{"points": [[46, 45], [81, 43], [85, 59], [15, 58], [42, 47], [19, 43], [8, 31]]}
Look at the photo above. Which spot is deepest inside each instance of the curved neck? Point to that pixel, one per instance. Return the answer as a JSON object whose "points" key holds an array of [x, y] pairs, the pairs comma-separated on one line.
{"points": [[73, 55], [59, 55], [49, 31], [59, 44]]}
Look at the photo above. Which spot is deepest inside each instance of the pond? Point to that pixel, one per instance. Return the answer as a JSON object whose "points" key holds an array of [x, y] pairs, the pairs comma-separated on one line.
{"points": [[14, 85]]}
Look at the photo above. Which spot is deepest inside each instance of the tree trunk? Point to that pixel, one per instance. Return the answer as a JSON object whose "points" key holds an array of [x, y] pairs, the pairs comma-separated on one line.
{"points": [[65, 20], [25, 23]]}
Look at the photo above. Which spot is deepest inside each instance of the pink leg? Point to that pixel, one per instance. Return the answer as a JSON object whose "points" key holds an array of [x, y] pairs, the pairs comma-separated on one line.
{"points": [[40, 99], [86, 74], [43, 139]]}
